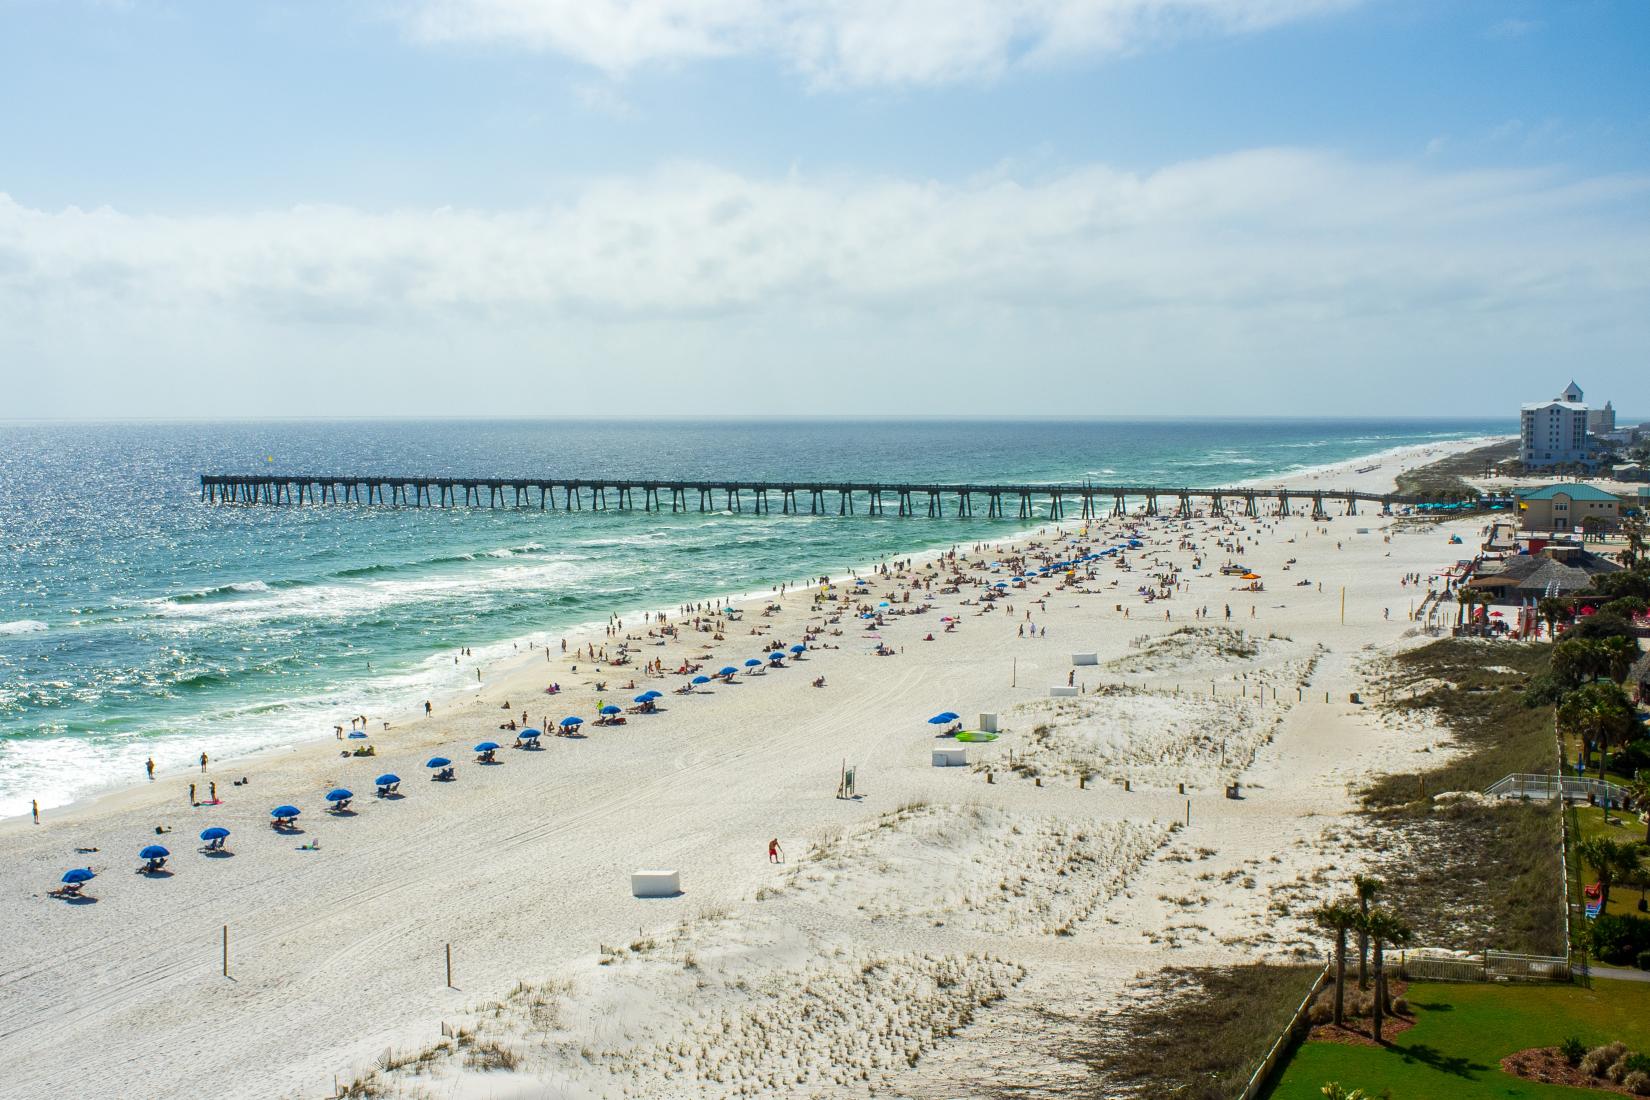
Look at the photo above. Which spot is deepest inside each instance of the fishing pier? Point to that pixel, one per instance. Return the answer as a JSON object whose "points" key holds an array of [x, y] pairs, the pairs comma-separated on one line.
{"points": [[783, 497]]}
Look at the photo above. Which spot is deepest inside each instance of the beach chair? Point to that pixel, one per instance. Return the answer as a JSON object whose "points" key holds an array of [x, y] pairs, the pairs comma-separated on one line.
{"points": [[153, 865], [446, 775], [67, 890]]}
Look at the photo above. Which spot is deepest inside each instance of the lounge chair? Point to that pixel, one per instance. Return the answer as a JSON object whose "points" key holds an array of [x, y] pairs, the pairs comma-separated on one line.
{"points": [[153, 865], [446, 775], [341, 804], [67, 890]]}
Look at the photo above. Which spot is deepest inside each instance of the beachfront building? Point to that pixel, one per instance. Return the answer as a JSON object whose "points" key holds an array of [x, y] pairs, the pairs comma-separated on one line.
{"points": [[1557, 569], [1601, 421], [1554, 433], [1568, 508]]}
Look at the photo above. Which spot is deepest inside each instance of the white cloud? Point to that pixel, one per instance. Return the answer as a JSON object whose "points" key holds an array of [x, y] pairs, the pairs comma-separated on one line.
{"points": [[845, 42], [1269, 259]]}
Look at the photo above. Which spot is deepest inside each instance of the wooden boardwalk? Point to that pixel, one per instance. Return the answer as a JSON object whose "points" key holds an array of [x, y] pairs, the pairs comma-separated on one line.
{"points": [[791, 497]]}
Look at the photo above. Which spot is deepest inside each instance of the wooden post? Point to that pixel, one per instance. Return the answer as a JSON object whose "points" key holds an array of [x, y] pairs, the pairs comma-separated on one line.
{"points": [[226, 950], [449, 966], [1014, 674], [1343, 605], [1188, 811]]}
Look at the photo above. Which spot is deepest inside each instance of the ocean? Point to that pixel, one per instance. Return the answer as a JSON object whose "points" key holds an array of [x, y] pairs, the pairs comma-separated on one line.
{"points": [[137, 622]]}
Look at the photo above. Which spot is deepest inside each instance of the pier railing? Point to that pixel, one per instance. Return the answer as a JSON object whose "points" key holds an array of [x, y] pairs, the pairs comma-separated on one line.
{"points": [[1022, 501]]}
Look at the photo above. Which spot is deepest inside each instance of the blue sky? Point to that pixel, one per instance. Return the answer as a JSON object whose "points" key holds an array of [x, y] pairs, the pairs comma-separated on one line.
{"points": [[479, 207]]}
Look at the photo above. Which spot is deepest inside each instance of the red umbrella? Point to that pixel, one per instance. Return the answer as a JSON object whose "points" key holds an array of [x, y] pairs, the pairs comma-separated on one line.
{"points": [[1587, 610]]}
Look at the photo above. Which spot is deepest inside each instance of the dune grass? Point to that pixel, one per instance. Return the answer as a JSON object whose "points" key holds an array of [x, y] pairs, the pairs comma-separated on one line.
{"points": [[1195, 1033], [1461, 1034]]}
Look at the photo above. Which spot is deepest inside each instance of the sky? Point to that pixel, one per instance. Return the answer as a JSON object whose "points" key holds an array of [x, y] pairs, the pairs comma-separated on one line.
{"points": [[821, 207]]}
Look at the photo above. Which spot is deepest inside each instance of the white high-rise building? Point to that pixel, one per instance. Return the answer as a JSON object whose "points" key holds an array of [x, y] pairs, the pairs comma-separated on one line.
{"points": [[1554, 433]]}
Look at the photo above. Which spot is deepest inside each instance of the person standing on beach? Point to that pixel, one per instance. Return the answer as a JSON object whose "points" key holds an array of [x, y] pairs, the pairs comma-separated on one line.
{"points": [[213, 789], [426, 708], [192, 794], [149, 765], [34, 804], [775, 853], [203, 762]]}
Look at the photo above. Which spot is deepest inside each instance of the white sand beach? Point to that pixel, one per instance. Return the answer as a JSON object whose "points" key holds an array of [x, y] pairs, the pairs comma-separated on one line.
{"points": [[904, 944]]}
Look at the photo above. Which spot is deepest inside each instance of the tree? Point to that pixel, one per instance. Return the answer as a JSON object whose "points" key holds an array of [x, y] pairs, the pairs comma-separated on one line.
{"points": [[1384, 927], [1552, 609], [1366, 887], [1600, 714], [1638, 789], [1339, 917], [1612, 861], [1618, 655], [1577, 660], [1632, 529]]}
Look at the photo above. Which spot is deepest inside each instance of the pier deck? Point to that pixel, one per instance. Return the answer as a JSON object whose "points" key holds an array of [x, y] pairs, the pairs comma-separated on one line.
{"points": [[849, 497]]}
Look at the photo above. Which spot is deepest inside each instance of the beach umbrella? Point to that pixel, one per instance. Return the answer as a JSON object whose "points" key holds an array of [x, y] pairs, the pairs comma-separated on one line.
{"points": [[884, 603], [609, 709], [153, 851], [728, 671], [652, 694], [529, 735], [357, 735], [798, 648], [338, 794], [752, 663], [1000, 584], [643, 698], [776, 655], [701, 679], [387, 779], [79, 874], [285, 811], [216, 832], [572, 721], [437, 762], [487, 746], [945, 716]]}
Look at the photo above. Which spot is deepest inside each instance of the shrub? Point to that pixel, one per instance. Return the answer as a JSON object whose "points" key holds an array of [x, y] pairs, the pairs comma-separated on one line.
{"points": [[1632, 757], [1620, 939], [1598, 1060], [1573, 1050], [1637, 1083], [1637, 1063]]}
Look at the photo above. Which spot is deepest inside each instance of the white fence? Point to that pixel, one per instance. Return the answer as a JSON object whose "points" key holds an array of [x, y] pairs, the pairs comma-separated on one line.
{"points": [[1570, 788], [1491, 966]]}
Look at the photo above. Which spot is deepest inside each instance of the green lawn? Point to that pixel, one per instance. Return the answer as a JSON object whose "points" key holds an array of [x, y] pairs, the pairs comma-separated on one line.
{"points": [[1461, 1034], [1589, 822]]}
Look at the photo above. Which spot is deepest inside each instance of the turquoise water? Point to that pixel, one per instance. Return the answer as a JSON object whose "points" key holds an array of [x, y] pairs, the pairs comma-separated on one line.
{"points": [[135, 621]]}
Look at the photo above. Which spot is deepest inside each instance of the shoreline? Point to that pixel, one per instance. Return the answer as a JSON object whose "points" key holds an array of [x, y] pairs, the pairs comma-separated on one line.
{"points": [[495, 661], [521, 866]]}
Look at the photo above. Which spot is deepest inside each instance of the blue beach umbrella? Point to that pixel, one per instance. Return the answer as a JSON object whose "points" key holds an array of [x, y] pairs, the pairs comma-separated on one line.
{"points": [[487, 746], [338, 794], [153, 851], [529, 735], [358, 735], [387, 779], [79, 874], [752, 663], [437, 762], [884, 603], [701, 679], [652, 695], [642, 698], [798, 648], [776, 656], [728, 671], [285, 811], [572, 721], [609, 709], [216, 832], [942, 719]]}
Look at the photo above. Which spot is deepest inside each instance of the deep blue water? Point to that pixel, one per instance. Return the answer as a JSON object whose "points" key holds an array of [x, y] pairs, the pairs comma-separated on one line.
{"points": [[136, 621]]}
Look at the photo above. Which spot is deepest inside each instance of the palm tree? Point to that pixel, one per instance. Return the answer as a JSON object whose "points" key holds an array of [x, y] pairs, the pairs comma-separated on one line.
{"points": [[1384, 927], [1552, 609], [1366, 887], [1578, 661], [1613, 861], [1598, 713], [1618, 654], [1339, 917], [1638, 789]]}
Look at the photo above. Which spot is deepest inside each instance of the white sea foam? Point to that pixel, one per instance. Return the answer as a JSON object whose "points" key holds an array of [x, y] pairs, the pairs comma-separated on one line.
{"points": [[22, 626]]}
